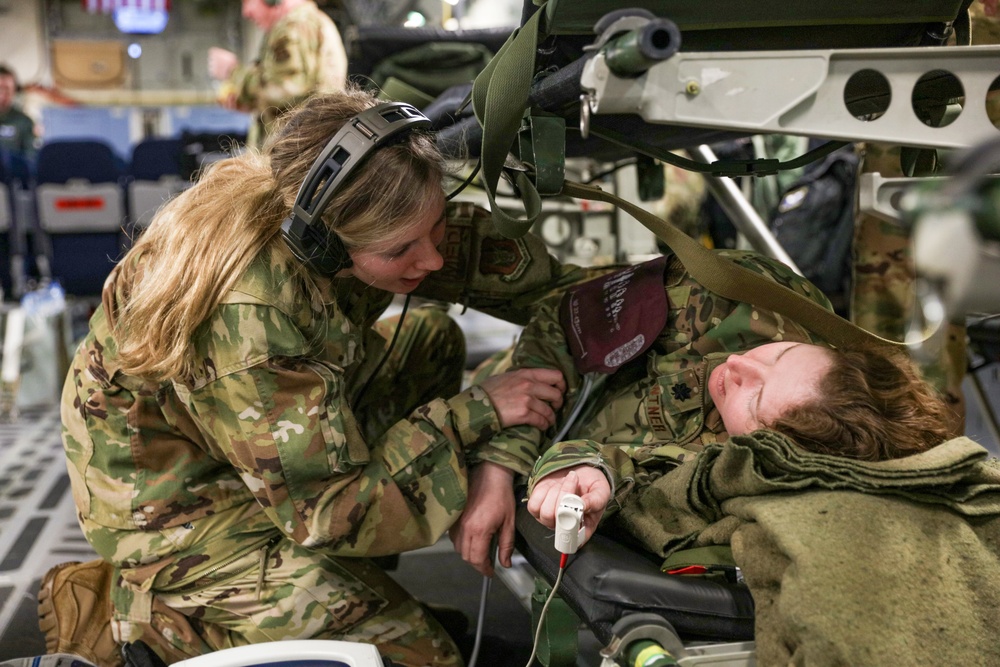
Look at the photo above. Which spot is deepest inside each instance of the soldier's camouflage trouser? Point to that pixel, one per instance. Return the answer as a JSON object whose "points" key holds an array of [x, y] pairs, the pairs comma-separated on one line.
{"points": [[883, 279], [883, 287], [426, 362], [305, 594]]}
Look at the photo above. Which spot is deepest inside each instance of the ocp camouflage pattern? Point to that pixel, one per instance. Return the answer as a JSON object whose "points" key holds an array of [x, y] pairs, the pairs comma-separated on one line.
{"points": [[274, 448], [654, 412], [301, 55]]}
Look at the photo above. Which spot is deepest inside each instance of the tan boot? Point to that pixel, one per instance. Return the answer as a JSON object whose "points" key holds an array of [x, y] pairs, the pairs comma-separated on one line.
{"points": [[74, 612]]}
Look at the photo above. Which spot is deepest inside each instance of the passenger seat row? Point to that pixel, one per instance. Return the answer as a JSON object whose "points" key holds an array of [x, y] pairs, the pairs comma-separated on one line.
{"points": [[77, 212]]}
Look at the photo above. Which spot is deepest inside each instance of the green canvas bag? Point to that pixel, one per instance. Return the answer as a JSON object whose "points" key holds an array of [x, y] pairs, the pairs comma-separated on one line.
{"points": [[418, 75]]}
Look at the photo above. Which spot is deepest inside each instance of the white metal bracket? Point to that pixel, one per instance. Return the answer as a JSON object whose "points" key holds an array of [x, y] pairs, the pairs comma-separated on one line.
{"points": [[800, 92]]}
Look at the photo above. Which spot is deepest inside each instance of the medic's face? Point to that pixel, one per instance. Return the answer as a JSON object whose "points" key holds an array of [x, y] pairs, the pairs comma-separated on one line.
{"points": [[399, 266], [753, 389]]}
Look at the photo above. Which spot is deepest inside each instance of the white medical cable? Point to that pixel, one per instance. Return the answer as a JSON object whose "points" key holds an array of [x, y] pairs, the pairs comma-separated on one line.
{"points": [[480, 622], [482, 604], [545, 608], [588, 383], [569, 528]]}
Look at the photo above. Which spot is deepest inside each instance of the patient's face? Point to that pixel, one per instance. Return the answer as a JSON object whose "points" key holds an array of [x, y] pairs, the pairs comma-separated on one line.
{"points": [[753, 389]]}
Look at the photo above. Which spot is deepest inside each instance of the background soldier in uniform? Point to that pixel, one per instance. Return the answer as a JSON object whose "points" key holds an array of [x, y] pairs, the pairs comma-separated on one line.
{"points": [[17, 129], [301, 53]]}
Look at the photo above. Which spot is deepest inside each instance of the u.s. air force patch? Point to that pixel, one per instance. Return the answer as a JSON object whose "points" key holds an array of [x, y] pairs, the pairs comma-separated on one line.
{"points": [[506, 258]]}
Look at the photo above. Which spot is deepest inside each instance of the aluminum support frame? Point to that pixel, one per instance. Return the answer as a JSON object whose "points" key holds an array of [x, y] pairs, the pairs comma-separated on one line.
{"points": [[744, 216], [799, 92]]}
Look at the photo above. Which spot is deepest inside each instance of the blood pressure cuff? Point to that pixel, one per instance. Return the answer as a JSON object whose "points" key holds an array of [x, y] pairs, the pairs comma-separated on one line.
{"points": [[500, 276], [613, 319]]}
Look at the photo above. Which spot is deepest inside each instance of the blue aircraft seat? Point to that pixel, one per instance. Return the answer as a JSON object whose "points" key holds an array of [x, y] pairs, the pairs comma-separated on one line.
{"points": [[153, 177], [81, 212]]}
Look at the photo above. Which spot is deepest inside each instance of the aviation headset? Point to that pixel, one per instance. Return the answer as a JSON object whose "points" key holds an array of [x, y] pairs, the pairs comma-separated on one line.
{"points": [[311, 241]]}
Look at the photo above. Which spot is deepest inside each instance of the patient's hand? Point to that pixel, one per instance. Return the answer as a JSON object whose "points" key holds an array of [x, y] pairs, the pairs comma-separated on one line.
{"points": [[588, 482], [489, 510]]}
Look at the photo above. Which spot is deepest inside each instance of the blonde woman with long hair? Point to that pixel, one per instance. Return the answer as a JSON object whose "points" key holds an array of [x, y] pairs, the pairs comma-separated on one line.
{"points": [[240, 441]]}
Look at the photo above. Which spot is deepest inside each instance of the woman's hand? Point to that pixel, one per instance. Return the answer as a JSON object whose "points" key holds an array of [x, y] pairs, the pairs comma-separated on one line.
{"points": [[585, 481], [527, 396], [489, 510]]}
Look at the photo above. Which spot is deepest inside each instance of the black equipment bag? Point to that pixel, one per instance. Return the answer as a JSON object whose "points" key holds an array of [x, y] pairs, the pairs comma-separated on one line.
{"points": [[814, 223]]}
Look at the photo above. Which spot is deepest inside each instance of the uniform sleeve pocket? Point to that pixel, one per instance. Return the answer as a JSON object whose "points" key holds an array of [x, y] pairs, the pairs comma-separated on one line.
{"points": [[345, 445]]}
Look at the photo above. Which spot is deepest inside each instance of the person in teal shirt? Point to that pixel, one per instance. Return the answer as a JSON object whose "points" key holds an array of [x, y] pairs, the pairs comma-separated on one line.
{"points": [[17, 129]]}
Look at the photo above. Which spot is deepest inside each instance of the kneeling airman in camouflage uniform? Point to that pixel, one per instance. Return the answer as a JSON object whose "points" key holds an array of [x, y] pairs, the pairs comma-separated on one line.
{"points": [[239, 441]]}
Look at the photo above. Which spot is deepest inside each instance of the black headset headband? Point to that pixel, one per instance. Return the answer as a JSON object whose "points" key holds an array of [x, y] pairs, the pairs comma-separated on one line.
{"points": [[304, 232]]}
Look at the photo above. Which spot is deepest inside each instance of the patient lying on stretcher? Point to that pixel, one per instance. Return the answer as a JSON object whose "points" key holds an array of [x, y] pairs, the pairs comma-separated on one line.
{"points": [[865, 532], [717, 368], [855, 404]]}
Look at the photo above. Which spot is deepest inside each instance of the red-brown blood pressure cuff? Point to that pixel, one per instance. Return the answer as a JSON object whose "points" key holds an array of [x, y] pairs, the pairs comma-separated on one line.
{"points": [[613, 319]]}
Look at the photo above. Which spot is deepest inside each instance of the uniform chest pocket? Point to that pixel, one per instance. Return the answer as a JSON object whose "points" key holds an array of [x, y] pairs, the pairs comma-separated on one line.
{"points": [[673, 407]]}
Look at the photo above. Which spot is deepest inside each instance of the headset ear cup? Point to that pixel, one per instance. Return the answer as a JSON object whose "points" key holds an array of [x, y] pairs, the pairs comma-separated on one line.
{"points": [[309, 239], [335, 256], [315, 246]]}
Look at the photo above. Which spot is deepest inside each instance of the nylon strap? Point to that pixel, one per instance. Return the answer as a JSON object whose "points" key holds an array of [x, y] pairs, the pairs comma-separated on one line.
{"points": [[499, 98], [732, 281]]}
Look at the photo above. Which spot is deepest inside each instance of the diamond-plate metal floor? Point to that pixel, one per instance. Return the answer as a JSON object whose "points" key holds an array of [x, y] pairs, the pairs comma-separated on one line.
{"points": [[38, 528]]}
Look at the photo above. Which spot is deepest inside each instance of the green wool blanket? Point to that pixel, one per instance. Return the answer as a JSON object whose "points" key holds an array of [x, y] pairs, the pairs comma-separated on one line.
{"points": [[849, 563]]}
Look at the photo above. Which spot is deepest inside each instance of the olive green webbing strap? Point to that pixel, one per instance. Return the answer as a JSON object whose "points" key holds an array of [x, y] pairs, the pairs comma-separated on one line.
{"points": [[730, 280], [499, 98]]}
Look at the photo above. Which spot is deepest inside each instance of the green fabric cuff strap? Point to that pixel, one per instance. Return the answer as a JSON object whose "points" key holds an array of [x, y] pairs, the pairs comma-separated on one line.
{"points": [[732, 281], [499, 97]]}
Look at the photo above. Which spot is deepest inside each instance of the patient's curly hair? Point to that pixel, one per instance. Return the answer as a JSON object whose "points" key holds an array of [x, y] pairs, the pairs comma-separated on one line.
{"points": [[872, 408]]}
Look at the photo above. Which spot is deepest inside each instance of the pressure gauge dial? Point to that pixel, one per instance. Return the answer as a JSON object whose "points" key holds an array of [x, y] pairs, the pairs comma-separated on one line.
{"points": [[556, 230]]}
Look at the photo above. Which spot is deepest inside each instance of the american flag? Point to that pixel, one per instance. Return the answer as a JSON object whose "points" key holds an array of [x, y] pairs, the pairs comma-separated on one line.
{"points": [[108, 6]]}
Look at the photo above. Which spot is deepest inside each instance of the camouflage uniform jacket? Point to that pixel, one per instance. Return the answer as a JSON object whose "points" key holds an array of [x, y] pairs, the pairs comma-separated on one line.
{"points": [[300, 55], [654, 411], [171, 477]]}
